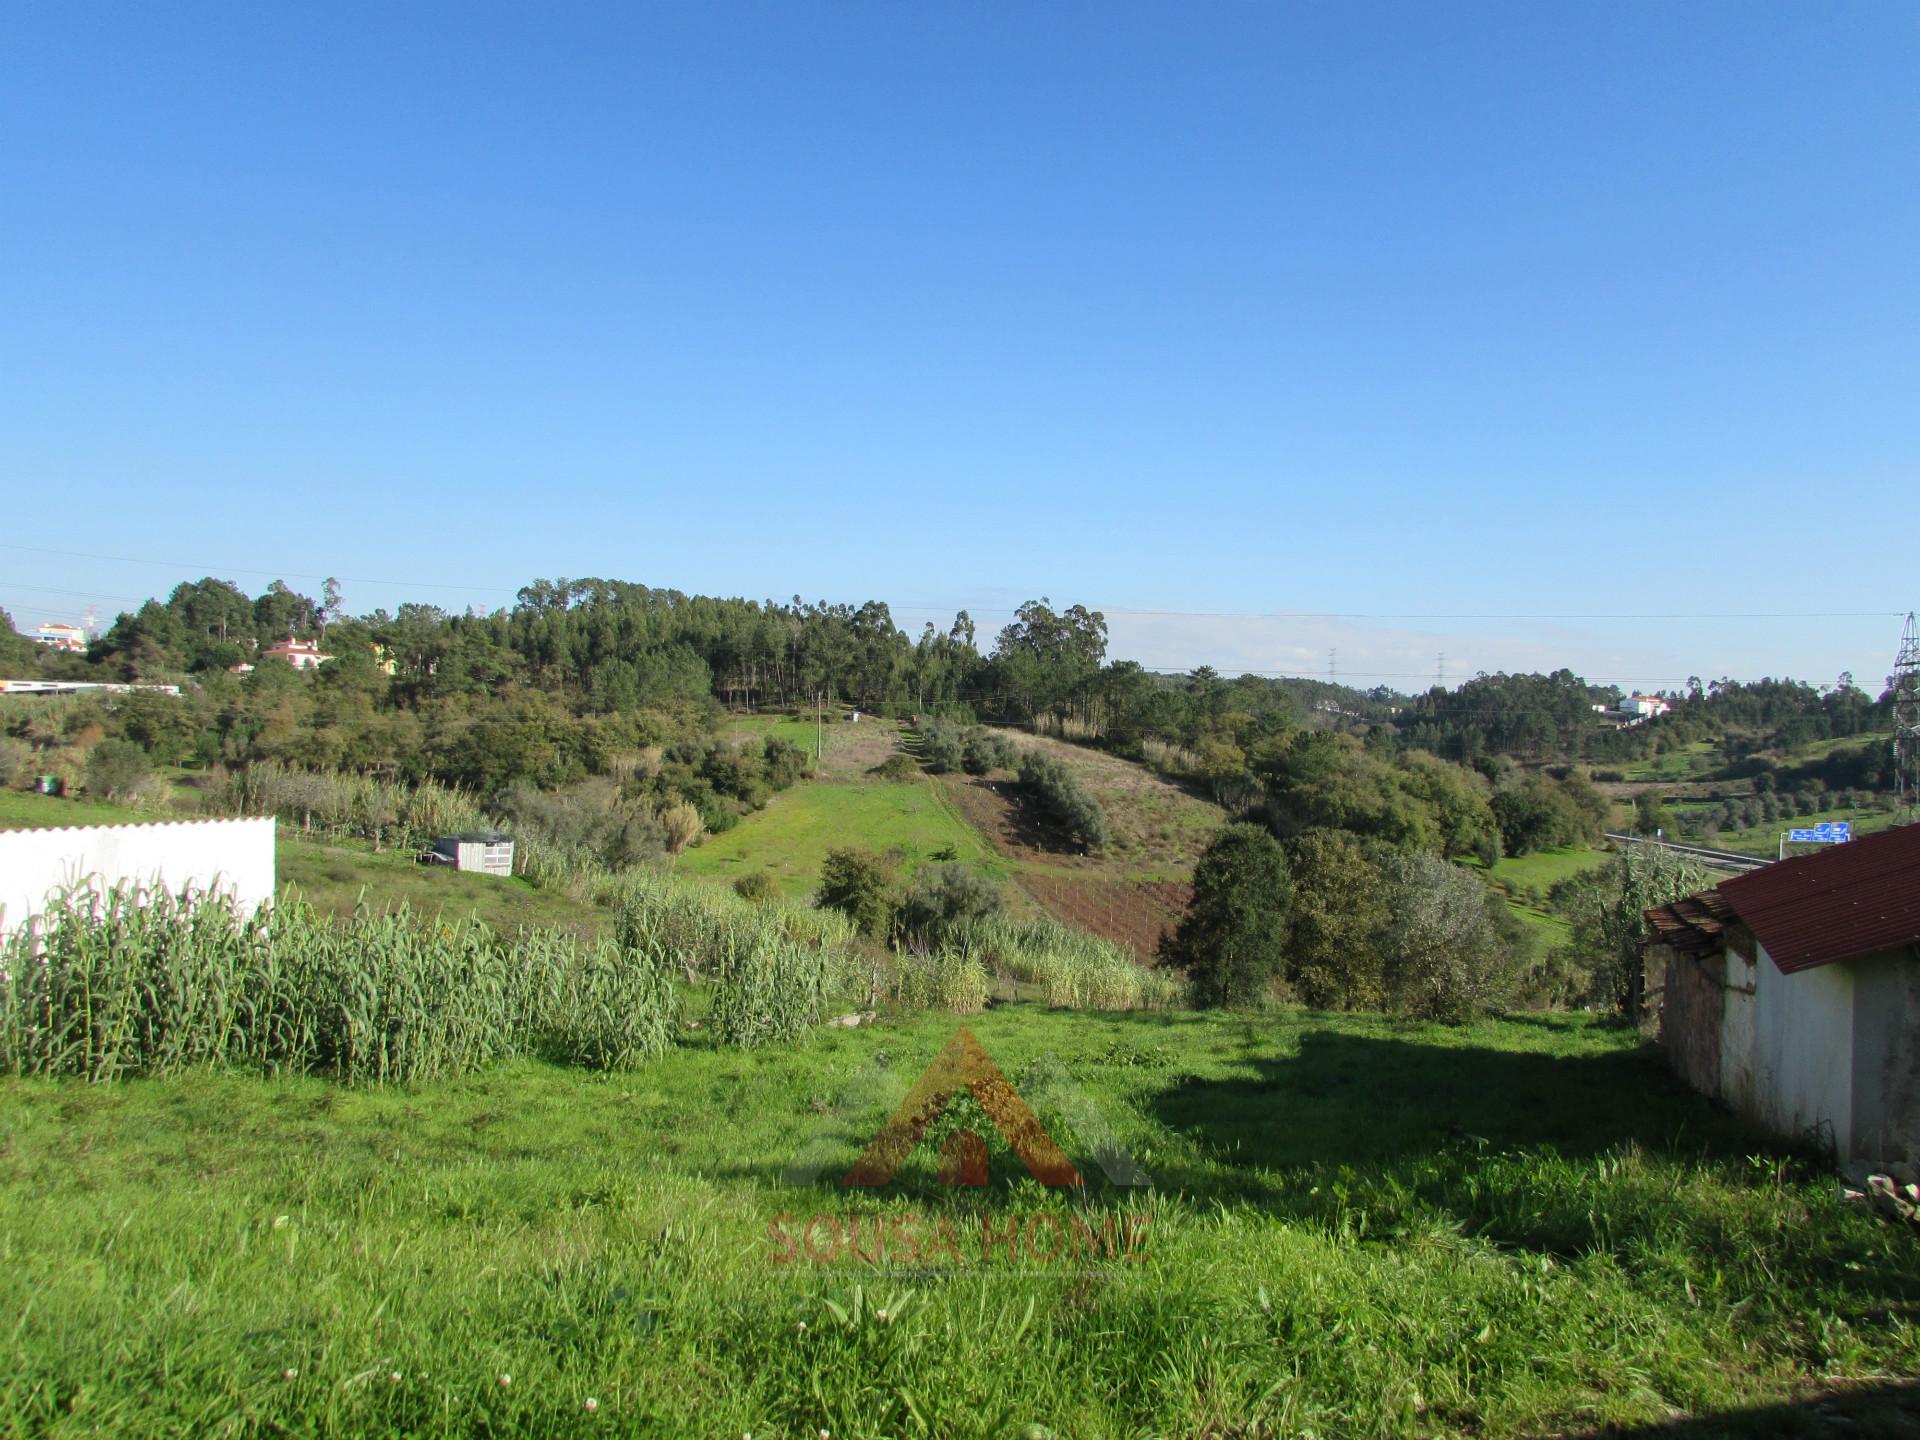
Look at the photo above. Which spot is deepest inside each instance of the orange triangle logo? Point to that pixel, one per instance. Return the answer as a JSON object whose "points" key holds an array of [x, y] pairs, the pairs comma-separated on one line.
{"points": [[963, 1062]]}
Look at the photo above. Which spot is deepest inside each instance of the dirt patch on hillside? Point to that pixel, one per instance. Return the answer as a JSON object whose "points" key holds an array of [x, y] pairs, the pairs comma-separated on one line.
{"points": [[995, 808], [1156, 824], [1136, 914], [855, 747], [1090, 893]]}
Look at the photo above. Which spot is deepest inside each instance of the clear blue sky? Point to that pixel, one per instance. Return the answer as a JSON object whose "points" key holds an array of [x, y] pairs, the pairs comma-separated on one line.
{"points": [[1405, 311]]}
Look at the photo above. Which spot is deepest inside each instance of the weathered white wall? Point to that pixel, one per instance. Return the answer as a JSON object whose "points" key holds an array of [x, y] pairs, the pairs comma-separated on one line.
{"points": [[1886, 1057], [233, 855], [1803, 1051], [1738, 1018]]}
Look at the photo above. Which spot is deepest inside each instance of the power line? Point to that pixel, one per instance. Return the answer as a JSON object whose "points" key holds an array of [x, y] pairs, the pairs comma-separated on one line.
{"points": [[923, 608]]}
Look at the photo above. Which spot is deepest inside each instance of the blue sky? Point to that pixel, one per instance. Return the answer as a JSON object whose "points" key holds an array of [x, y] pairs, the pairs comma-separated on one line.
{"points": [[1207, 315]]}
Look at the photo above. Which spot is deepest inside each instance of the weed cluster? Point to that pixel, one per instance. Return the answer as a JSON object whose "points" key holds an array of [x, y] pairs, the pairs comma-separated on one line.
{"points": [[1076, 971]]}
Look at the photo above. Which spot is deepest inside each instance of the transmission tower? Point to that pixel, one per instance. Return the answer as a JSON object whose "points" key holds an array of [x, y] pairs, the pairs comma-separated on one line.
{"points": [[1905, 685]]}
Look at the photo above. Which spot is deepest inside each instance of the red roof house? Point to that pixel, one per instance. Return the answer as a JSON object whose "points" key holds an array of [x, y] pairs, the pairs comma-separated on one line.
{"points": [[301, 654]]}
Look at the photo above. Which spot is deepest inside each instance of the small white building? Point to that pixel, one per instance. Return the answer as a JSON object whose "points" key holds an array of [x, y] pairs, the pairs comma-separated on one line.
{"points": [[1793, 994], [1645, 706], [488, 851]]}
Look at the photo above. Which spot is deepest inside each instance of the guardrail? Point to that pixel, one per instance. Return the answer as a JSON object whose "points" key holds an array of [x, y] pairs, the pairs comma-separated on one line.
{"points": [[1718, 859]]}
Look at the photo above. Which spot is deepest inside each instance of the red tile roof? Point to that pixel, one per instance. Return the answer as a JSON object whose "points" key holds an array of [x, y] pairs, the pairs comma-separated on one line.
{"points": [[1854, 899]]}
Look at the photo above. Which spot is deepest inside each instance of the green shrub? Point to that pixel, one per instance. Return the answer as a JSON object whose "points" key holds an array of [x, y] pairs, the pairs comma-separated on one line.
{"points": [[756, 886], [942, 744], [897, 769], [944, 898], [984, 751], [1061, 796], [860, 885], [117, 770], [1232, 942]]}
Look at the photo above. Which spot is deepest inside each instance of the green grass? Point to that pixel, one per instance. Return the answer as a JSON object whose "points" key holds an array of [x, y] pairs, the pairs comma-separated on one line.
{"points": [[790, 838], [24, 810], [1694, 758], [794, 731], [1356, 1228], [1544, 868], [335, 875], [1514, 875]]}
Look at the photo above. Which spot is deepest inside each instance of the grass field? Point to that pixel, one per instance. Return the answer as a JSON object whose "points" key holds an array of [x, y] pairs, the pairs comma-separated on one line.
{"points": [[335, 876], [1159, 828], [23, 810], [794, 730], [1514, 876], [790, 838], [1544, 868], [1694, 758], [1355, 1228]]}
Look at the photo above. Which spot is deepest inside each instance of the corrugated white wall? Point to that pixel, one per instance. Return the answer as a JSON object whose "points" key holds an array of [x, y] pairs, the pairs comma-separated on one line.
{"points": [[233, 855]]}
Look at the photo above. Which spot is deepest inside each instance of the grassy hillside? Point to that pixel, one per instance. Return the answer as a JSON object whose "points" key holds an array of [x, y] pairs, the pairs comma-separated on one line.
{"points": [[790, 838], [1131, 893], [336, 876], [1354, 1227], [1159, 828], [1525, 880]]}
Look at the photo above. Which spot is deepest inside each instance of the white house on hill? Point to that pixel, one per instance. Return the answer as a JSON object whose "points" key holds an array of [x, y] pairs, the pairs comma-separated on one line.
{"points": [[301, 654], [62, 637]]}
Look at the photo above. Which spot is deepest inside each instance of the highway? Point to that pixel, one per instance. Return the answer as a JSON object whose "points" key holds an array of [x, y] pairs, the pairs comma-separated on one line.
{"points": [[1718, 859]]}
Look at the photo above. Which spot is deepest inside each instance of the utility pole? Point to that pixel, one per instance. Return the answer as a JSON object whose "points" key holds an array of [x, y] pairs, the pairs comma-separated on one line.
{"points": [[1905, 685], [819, 727], [1440, 671], [1333, 667]]}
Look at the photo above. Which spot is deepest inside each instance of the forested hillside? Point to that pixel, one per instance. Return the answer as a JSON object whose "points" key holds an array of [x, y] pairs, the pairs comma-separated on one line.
{"points": [[591, 712]]}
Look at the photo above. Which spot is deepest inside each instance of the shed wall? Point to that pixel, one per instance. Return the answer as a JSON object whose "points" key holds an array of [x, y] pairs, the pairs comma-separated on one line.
{"points": [[1886, 1058], [1690, 1016], [1803, 1051]]}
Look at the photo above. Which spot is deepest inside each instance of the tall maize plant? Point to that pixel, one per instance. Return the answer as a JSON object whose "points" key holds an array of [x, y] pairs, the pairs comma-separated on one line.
{"points": [[773, 990], [137, 982]]}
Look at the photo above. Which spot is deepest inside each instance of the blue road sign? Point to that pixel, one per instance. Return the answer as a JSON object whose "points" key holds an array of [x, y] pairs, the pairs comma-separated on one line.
{"points": [[1827, 832]]}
